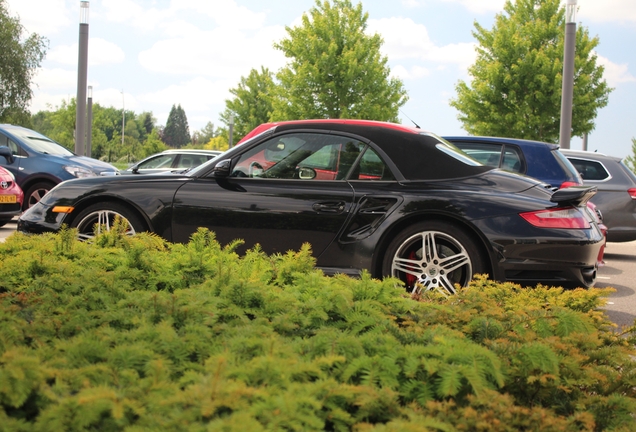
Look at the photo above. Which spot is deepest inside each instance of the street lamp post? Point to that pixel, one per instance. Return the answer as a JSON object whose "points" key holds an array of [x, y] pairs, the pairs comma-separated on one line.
{"points": [[82, 72], [231, 125], [568, 74], [123, 117], [89, 122]]}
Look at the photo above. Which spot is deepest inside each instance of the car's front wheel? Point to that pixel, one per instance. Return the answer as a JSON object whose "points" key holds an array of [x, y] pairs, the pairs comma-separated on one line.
{"points": [[101, 217], [433, 255], [35, 192]]}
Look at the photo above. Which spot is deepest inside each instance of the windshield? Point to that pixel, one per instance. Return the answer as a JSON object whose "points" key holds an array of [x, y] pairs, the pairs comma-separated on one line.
{"points": [[40, 143]]}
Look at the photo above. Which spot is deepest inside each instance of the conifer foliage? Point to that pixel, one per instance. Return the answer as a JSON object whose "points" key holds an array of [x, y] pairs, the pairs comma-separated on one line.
{"points": [[136, 334], [177, 132]]}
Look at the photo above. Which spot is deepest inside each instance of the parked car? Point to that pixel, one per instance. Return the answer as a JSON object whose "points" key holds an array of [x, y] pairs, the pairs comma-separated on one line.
{"points": [[39, 163], [354, 191], [11, 197], [172, 160], [536, 159], [616, 196]]}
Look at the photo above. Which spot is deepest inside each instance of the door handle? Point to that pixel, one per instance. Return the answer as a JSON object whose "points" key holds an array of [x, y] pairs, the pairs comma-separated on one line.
{"points": [[329, 207]]}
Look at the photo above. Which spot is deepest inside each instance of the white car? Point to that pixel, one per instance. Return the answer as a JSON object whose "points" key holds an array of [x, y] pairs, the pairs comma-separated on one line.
{"points": [[172, 160]]}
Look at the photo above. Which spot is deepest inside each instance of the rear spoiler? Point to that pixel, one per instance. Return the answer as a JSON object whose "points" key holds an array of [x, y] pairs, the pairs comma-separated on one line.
{"points": [[574, 195]]}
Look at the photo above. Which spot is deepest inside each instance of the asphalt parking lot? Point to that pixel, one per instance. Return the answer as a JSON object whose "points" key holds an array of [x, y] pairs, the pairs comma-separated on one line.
{"points": [[618, 273]]}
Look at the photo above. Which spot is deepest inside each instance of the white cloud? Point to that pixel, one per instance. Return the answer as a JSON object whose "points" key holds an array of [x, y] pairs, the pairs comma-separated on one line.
{"points": [[480, 6], [615, 74], [411, 3], [55, 78], [404, 39], [414, 72], [221, 53], [100, 52], [622, 11], [44, 17], [200, 98]]}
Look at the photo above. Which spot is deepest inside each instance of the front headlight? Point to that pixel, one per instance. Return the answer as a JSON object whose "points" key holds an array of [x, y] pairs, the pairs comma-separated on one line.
{"points": [[79, 172]]}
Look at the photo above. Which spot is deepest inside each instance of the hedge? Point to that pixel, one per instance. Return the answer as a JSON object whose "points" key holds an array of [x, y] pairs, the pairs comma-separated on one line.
{"points": [[136, 334]]}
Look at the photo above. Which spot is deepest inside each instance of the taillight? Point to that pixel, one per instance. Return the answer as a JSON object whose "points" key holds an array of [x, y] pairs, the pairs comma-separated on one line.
{"points": [[632, 193], [566, 218], [567, 184]]}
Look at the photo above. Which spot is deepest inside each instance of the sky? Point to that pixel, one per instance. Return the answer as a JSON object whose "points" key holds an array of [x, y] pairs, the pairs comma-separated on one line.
{"points": [[148, 55]]}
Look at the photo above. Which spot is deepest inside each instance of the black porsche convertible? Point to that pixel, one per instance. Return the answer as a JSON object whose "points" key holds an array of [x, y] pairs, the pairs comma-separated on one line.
{"points": [[382, 197]]}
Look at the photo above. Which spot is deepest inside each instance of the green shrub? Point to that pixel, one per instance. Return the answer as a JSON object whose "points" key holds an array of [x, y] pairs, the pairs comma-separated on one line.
{"points": [[131, 333]]}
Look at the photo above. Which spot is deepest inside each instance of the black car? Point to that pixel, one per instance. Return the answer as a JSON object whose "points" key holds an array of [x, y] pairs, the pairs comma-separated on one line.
{"points": [[536, 159], [374, 196], [616, 196], [39, 163]]}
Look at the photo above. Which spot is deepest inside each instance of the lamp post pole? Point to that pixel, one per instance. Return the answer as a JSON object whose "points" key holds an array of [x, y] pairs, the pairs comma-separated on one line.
{"points": [[568, 74], [89, 122], [231, 124], [82, 72], [123, 117]]}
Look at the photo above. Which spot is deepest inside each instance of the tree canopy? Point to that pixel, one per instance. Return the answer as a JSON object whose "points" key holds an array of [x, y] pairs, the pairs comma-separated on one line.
{"points": [[252, 102], [19, 59], [176, 133], [630, 160], [516, 83], [335, 68]]}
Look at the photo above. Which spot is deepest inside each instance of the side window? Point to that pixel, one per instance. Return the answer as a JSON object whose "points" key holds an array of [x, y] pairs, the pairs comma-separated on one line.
{"points": [[372, 167], [303, 156], [5, 141], [163, 161], [191, 161], [512, 160], [590, 170], [486, 153]]}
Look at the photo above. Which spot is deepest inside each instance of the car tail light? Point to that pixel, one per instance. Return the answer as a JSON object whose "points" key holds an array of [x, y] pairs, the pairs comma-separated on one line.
{"points": [[567, 184], [632, 193], [567, 218]]}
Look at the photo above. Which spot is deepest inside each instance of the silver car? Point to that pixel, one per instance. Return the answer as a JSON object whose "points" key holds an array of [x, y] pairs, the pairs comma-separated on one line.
{"points": [[616, 196], [172, 160]]}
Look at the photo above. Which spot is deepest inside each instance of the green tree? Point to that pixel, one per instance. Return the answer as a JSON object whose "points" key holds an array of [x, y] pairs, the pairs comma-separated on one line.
{"points": [[630, 160], [516, 83], [176, 133], [19, 59], [204, 135], [336, 69], [252, 103]]}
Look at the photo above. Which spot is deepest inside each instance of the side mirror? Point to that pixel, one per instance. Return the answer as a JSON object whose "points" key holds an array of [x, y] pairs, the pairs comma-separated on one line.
{"points": [[222, 168], [6, 152]]}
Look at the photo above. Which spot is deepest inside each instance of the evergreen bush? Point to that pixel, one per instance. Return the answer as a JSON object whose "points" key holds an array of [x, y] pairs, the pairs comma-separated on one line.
{"points": [[132, 333]]}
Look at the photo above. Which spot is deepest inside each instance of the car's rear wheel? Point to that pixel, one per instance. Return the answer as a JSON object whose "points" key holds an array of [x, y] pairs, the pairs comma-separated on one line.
{"points": [[3, 222], [101, 217], [35, 192], [433, 255]]}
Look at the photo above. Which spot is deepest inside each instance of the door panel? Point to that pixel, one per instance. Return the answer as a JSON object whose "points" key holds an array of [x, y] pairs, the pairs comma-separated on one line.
{"points": [[278, 214]]}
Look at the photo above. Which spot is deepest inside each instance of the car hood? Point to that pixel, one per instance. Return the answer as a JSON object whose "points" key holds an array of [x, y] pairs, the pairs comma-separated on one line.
{"points": [[94, 164]]}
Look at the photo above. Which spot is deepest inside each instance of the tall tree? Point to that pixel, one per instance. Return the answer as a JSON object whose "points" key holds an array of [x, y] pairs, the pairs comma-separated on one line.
{"points": [[252, 102], [516, 83], [19, 59], [335, 68], [176, 133]]}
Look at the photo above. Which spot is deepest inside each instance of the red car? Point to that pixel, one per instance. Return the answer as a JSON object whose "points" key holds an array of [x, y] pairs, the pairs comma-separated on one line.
{"points": [[11, 197]]}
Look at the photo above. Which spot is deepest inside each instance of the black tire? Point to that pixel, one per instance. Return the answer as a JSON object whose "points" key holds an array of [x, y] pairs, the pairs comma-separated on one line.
{"points": [[3, 222], [105, 214], [453, 257], [35, 193]]}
